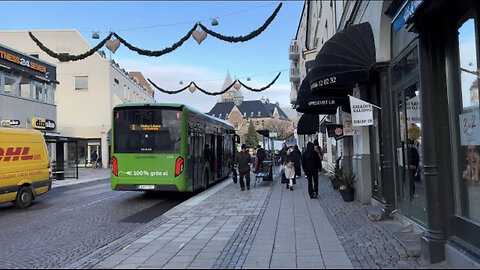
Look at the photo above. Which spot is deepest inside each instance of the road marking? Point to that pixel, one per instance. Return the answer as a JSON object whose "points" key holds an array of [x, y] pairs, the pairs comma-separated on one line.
{"points": [[204, 195]]}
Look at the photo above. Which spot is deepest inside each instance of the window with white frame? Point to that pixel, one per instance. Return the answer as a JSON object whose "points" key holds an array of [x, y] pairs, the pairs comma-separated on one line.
{"points": [[81, 82]]}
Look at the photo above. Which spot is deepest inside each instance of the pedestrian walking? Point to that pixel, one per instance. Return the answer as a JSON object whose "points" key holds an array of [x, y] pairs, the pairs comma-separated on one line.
{"points": [[93, 159], [289, 167], [319, 152], [261, 154], [311, 163], [243, 161], [297, 159], [283, 153]]}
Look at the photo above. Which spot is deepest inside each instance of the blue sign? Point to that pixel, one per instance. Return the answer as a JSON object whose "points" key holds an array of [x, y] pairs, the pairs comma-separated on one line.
{"points": [[405, 13]]}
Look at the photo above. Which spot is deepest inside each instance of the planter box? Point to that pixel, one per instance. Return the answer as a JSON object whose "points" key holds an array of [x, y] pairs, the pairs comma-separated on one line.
{"points": [[347, 194], [336, 183]]}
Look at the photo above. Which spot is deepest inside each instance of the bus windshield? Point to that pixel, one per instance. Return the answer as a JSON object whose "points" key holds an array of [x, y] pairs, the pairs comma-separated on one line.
{"points": [[147, 130]]}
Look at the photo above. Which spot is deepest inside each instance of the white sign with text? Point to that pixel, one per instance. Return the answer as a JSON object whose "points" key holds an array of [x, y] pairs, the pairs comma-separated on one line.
{"points": [[469, 128], [362, 112]]}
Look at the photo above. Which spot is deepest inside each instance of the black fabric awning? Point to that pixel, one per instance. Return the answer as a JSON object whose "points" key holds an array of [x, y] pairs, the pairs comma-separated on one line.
{"points": [[308, 124], [307, 102], [344, 60]]}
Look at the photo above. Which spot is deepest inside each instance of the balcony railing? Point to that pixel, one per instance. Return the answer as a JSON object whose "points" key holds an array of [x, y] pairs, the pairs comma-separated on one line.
{"points": [[294, 52], [294, 75]]}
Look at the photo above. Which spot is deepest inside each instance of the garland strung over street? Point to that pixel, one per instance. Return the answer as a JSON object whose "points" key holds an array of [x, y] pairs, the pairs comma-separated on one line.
{"points": [[199, 36], [156, 53], [243, 38], [65, 57], [193, 86]]}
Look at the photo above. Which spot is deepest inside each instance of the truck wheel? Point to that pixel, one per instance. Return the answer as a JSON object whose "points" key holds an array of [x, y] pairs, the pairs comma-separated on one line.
{"points": [[24, 198]]}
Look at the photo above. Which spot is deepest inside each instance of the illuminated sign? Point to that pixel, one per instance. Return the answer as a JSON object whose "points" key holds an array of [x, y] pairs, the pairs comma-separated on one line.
{"points": [[144, 127], [7, 123], [42, 123], [22, 61]]}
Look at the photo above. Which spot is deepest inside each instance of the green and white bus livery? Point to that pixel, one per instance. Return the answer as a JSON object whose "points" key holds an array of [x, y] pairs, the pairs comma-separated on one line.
{"points": [[168, 147]]}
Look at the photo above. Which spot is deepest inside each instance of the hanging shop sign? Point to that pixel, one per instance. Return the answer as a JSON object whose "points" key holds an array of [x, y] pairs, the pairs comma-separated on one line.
{"points": [[7, 123], [42, 123], [348, 128], [334, 131], [362, 112], [470, 128], [413, 110]]}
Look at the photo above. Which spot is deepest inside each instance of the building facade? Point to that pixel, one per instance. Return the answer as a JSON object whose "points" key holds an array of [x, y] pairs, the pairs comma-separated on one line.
{"points": [[88, 88], [263, 114], [420, 158]]}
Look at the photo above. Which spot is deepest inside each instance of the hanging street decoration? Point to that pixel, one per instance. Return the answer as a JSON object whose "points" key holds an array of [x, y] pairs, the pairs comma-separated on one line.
{"points": [[193, 86], [112, 45], [243, 38], [199, 36], [65, 57]]}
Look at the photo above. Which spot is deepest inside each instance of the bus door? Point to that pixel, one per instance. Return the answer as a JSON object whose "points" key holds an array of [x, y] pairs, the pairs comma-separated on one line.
{"points": [[219, 156], [213, 149]]}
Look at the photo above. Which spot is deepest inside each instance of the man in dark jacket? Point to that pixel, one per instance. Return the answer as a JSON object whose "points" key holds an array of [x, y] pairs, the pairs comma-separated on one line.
{"points": [[310, 164], [243, 161]]}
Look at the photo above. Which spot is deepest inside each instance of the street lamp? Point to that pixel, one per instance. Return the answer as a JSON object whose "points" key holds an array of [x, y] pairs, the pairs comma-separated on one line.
{"points": [[95, 35]]}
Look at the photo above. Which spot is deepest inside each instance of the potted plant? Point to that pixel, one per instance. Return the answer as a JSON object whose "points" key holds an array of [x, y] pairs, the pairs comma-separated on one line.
{"points": [[346, 188], [336, 174]]}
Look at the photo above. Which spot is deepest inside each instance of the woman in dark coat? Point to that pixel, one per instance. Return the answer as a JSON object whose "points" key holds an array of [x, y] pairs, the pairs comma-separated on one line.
{"points": [[311, 164], [297, 158]]}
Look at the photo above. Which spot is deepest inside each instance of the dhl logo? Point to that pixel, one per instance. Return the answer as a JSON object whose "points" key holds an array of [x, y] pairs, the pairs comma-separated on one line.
{"points": [[16, 153]]}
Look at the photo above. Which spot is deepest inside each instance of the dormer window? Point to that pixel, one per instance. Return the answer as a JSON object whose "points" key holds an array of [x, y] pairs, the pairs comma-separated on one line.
{"points": [[244, 114], [259, 113], [251, 114], [220, 115]]}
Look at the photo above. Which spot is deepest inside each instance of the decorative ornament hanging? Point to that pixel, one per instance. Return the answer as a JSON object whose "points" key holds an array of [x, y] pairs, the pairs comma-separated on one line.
{"points": [[192, 88], [199, 36], [237, 85], [112, 45]]}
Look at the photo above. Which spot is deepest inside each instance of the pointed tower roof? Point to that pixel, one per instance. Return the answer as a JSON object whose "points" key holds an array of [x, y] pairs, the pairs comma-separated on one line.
{"points": [[228, 96]]}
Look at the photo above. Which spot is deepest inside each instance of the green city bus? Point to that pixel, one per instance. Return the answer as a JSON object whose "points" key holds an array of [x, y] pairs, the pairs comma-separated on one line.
{"points": [[169, 147]]}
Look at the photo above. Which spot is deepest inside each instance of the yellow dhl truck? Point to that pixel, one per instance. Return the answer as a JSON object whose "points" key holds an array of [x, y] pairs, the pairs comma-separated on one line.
{"points": [[24, 166]]}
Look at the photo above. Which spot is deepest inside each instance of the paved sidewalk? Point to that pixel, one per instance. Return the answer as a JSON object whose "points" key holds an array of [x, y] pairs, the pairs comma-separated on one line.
{"points": [[266, 227], [84, 175]]}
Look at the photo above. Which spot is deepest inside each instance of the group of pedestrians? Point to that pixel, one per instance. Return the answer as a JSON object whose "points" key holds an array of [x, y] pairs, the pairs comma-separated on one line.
{"points": [[292, 162]]}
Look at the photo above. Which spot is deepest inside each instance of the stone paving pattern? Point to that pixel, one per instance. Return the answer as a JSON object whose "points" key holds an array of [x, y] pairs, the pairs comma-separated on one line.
{"points": [[367, 243], [266, 227]]}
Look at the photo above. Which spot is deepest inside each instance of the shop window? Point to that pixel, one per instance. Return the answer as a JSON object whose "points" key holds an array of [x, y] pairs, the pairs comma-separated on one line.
{"points": [[50, 97], [12, 85], [81, 82], [38, 91], [25, 88], [468, 189]]}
